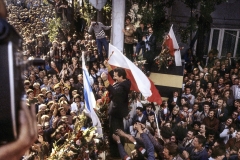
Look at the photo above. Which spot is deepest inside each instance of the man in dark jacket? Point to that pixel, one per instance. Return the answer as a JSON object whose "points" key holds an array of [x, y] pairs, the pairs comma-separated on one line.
{"points": [[119, 103], [140, 32], [150, 53]]}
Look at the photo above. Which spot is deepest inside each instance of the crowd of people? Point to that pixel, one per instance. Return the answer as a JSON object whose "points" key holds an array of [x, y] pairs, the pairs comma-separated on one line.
{"points": [[199, 122]]}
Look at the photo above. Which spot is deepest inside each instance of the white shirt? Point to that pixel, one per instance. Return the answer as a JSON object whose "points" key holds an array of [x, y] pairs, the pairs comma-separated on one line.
{"points": [[75, 108], [225, 135], [147, 39], [140, 118]]}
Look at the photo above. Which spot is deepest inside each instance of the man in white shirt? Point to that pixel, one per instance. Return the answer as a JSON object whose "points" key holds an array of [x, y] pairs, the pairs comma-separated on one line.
{"points": [[77, 106]]}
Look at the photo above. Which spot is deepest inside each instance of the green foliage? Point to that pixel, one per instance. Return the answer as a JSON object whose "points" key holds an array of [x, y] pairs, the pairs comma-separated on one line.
{"points": [[201, 19], [53, 27], [155, 14], [88, 11]]}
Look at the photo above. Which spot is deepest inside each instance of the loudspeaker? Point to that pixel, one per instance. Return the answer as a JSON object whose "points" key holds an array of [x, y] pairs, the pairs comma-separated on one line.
{"points": [[11, 81]]}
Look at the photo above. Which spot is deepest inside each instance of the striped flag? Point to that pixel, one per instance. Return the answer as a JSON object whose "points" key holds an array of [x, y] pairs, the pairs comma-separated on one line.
{"points": [[173, 47], [139, 81], [89, 98]]}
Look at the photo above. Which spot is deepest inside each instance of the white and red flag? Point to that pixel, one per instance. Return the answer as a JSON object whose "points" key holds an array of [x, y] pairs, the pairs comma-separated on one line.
{"points": [[171, 43], [139, 81]]}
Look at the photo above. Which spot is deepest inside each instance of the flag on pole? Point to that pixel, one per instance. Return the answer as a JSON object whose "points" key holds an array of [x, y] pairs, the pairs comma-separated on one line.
{"points": [[89, 98], [139, 81], [173, 47]]}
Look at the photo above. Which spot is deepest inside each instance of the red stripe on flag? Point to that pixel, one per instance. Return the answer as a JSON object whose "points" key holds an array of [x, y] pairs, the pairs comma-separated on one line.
{"points": [[169, 43], [155, 97]]}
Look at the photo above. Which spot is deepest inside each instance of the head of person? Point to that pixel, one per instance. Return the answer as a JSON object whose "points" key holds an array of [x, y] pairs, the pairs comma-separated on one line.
{"points": [[119, 74], [210, 135], [150, 30], [199, 141], [166, 133], [184, 100], [218, 153], [170, 150], [238, 135], [211, 114], [202, 128], [206, 106], [175, 110], [220, 102], [190, 134], [196, 126], [139, 111], [128, 20]]}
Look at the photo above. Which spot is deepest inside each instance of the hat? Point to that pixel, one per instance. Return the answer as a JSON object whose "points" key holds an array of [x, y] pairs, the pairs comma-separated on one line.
{"points": [[50, 103], [26, 82], [40, 95], [29, 91], [48, 92], [41, 106], [55, 41], [56, 86], [63, 42], [36, 84], [65, 87], [76, 96], [74, 35]]}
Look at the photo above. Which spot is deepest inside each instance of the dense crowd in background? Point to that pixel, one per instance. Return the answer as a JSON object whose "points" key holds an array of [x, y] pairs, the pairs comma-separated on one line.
{"points": [[201, 121]]}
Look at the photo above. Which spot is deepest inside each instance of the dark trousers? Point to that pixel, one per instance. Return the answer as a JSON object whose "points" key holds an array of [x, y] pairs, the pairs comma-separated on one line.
{"points": [[115, 123], [100, 44], [140, 46], [129, 51], [149, 56]]}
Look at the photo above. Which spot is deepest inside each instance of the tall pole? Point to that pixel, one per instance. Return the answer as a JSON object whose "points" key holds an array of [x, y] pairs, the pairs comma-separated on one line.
{"points": [[118, 19]]}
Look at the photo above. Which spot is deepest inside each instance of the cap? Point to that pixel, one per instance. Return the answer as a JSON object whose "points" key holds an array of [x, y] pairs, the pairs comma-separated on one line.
{"points": [[26, 82], [42, 105], [29, 91], [56, 86], [76, 96], [36, 84]]}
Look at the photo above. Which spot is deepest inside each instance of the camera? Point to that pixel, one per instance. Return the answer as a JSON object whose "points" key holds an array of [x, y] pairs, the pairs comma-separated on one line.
{"points": [[11, 83]]}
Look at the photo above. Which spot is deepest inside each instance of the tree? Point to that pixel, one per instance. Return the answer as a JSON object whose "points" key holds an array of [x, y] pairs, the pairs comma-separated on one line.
{"points": [[201, 22], [154, 12]]}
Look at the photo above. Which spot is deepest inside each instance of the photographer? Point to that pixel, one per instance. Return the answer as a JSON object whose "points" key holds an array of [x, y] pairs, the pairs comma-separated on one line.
{"points": [[101, 40]]}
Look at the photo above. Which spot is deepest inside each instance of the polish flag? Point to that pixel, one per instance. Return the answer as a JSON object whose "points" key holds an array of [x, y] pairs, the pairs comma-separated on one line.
{"points": [[139, 81], [171, 43]]}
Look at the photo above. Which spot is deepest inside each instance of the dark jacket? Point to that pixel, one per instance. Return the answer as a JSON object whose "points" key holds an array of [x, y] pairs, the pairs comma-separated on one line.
{"points": [[150, 52], [140, 33], [201, 155], [135, 119], [152, 43], [223, 118], [119, 96]]}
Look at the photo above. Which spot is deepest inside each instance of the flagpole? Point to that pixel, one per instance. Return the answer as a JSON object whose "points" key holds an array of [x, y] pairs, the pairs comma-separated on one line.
{"points": [[110, 56], [157, 125]]}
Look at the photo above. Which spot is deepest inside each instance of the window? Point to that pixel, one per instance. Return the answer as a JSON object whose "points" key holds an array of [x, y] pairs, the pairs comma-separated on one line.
{"points": [[225, 40]]}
